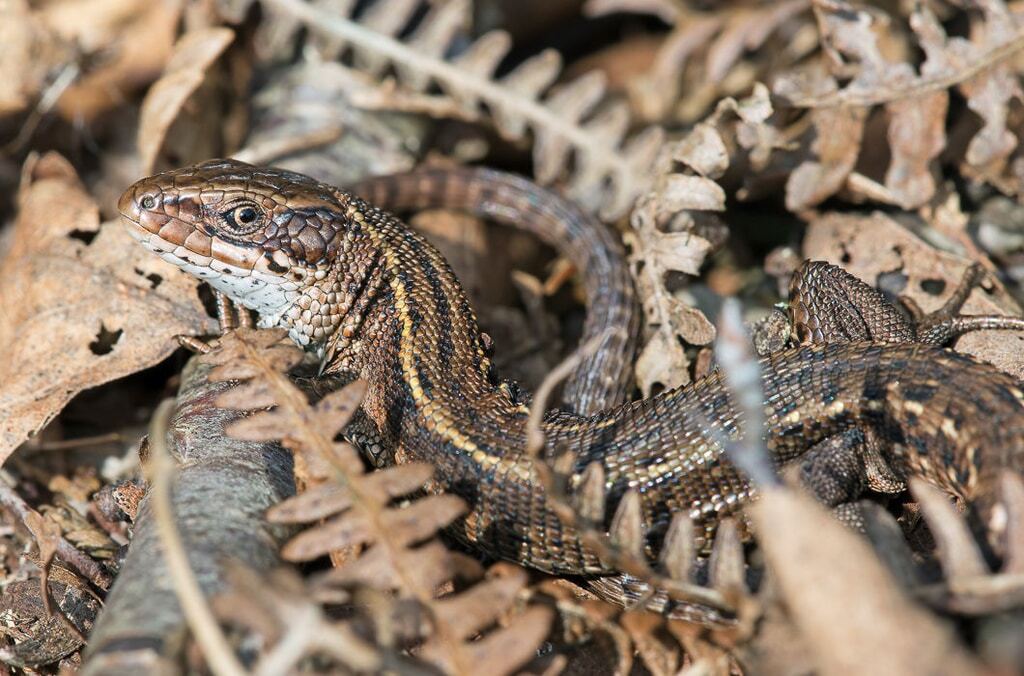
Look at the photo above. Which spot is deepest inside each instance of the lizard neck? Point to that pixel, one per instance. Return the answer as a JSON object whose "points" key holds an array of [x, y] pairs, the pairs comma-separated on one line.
{"points": [[408, 330]]}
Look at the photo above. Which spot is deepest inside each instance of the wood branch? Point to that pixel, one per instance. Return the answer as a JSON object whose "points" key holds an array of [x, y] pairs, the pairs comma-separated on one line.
{"points": [[223, 488]]}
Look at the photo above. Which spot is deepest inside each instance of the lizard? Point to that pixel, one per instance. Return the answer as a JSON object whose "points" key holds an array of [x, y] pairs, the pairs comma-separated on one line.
{"points": [[356, 285]]}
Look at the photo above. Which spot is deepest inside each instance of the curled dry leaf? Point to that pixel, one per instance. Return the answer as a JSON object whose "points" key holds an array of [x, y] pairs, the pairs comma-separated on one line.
{"points": [[835, 147], [676, 199], [883, 252], [193, 54], [132, 39], [83, 304]]}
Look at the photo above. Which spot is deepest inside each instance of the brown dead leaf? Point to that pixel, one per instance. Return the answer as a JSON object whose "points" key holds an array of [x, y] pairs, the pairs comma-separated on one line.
{"points": [[193, 54], [133, 36], [876, 247], [917, 134], [82, 303], [851, 611], [990, 93], [30, 51], [836, 147]]}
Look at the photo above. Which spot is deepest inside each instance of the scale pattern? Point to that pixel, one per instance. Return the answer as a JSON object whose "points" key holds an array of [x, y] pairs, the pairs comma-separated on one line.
{"points": [[377, 301]]}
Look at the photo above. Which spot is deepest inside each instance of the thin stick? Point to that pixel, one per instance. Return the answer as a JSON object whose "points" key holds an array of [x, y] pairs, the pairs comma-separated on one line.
{"points": [[66, 551], [534, 435], [207, 633]]}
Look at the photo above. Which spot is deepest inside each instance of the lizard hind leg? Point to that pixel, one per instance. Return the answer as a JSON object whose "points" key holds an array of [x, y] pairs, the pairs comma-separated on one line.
{"points": [[946, 324], [829, 305], [839, 468]]}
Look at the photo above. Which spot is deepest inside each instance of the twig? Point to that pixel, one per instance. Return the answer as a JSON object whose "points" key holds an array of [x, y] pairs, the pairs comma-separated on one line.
{"points": [[534, 435], [741, 373], [67, 552], [207, 633], [81, 442], [47, 101]]}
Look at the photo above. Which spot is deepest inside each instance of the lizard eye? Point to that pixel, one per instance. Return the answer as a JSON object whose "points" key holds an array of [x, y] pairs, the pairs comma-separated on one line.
{"points": [[243, 218]]}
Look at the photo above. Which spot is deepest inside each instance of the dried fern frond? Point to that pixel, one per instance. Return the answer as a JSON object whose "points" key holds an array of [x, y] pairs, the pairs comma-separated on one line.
{"points": [[669, 585], [385, 634], [576, 130], [683, 193], [389, 542], [969, 587], [278, 608], [716, 39], [916, 101]]}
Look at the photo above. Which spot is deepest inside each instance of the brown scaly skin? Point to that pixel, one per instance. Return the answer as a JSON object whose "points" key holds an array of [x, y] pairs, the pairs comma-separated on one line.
{"points": [[355, 283]]}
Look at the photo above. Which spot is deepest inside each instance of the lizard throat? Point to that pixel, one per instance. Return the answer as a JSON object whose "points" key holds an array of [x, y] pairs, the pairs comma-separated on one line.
{"points": [[268, 293]]}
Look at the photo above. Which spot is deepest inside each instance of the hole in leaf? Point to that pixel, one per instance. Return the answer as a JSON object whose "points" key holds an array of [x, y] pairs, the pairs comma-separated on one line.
{"points": [[892, 282], [86, 236], [154, 279], [933, 287], [105, 341]]}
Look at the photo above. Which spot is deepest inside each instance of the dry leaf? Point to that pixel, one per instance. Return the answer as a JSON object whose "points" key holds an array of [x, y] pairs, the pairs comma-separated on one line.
{"points": [[193, 54], [142, 34], [849, 608], [917, 134], [30, 52], [875, 247], [82, 303], [836, 147]]}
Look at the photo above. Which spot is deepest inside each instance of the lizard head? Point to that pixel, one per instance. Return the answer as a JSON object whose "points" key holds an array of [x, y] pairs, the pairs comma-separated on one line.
{"points": [[256, 234]]}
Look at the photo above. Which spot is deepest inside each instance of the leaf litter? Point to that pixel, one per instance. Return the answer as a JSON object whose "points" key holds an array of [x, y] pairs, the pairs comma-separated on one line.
{"points": [[879, 139]]}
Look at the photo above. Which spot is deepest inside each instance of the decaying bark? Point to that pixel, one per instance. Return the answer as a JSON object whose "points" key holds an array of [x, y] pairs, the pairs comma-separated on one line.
{"points": [[222, 489]]}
